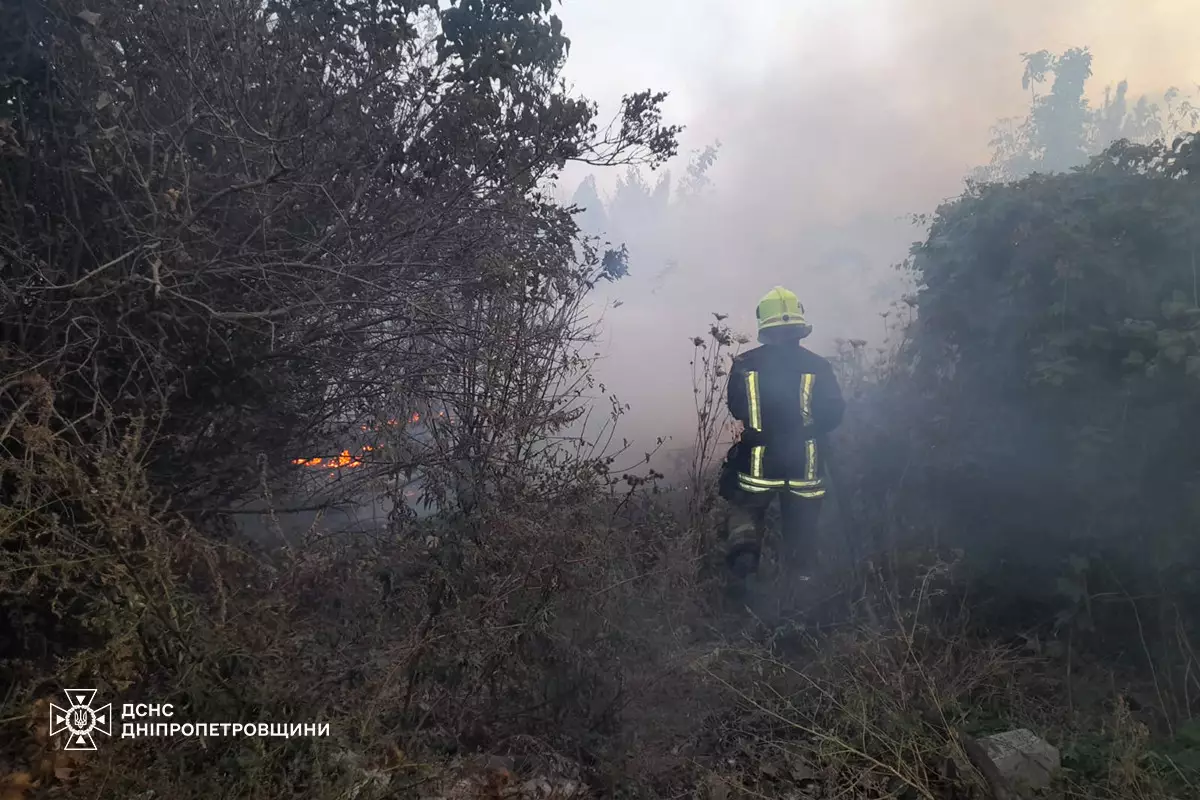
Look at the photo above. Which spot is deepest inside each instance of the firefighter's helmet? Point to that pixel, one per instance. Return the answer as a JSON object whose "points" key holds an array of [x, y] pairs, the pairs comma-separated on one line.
{"points": [[780, 308]]}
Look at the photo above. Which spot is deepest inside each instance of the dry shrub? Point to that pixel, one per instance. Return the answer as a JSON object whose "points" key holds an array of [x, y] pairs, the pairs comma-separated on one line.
{"points": [[96, 576], [861, 709], [529, 634], [567, 639], [103, 587], [886, 690]]}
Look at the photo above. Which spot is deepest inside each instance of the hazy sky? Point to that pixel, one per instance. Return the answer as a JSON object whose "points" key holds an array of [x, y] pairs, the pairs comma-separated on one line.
{"points": [[836, 120], [704, 51]]}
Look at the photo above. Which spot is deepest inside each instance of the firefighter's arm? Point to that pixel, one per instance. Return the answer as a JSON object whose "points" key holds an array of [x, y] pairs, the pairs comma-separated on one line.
{"points": [[735, 393], [828, 404]]}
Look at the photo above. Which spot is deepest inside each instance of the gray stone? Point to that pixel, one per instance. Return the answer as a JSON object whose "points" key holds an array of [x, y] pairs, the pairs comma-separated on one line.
{"points": [[1024, 759]]}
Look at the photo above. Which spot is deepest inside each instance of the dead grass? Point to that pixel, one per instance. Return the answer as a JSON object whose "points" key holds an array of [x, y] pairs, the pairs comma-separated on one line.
{"points": [[568, 651], [891, 702], [530, 635]]}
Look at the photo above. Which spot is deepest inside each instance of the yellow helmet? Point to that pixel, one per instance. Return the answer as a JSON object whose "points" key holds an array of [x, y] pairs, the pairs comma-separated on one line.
{"points": [[781, 308]]}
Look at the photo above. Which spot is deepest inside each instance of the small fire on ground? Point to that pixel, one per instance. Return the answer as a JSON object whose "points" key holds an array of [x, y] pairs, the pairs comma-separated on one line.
{"points": [[346, 458]]}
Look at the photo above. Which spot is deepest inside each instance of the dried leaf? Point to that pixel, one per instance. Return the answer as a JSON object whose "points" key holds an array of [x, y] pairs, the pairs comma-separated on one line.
{"points": [[15, 785]]}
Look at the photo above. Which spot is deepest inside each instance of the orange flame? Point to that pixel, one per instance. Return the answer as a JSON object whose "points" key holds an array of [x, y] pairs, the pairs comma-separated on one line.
{"points": [[344, 459]]}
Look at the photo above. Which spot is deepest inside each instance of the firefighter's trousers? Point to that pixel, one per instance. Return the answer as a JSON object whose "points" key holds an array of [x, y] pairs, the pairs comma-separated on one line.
{"points": [[746, 529]]}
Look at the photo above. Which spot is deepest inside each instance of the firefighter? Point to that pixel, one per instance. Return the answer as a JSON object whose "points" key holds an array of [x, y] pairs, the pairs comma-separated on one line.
{"points": [[787, 399]]}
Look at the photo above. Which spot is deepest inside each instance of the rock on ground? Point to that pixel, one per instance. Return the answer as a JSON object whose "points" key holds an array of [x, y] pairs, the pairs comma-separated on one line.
{"points": [[1024, 759]]}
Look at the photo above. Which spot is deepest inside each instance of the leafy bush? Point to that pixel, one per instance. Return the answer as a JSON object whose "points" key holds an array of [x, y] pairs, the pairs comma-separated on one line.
{"points": [[264, 226], [1046, 383]]}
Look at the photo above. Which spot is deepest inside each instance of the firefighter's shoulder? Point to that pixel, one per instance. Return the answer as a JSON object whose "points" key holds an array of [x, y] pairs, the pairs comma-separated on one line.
{"points": [[747, 356], [815, 360]]}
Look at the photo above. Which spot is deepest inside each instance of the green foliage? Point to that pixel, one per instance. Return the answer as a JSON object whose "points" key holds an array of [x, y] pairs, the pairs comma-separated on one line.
{"points": [[1049, 383], [1181, 753], [1077, 292], [1063, 129]]}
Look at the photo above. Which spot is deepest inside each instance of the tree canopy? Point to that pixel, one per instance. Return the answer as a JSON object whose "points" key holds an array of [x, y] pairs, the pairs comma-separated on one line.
{"points": [[1062, 128], [267, 224]]}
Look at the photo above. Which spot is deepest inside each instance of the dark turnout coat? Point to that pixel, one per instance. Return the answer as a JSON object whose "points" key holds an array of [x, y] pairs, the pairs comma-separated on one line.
{"points": [[787, 399]]}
